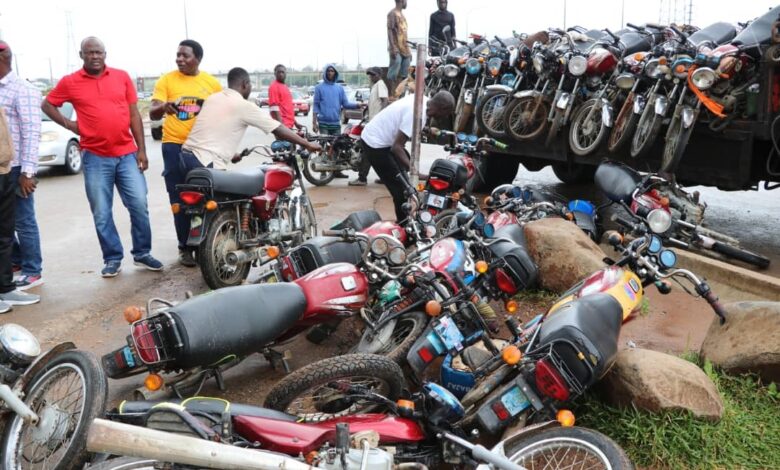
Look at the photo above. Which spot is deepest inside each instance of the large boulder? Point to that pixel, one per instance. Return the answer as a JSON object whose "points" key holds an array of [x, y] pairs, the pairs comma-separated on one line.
{"points": [[749, 341], [655, 382], [563, 253]]}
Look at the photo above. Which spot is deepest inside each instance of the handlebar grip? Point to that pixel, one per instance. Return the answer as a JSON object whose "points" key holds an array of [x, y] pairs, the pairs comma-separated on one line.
{"points": [[633, 26], [331, 233], [499, 145], [717, 307], [623, 221]]}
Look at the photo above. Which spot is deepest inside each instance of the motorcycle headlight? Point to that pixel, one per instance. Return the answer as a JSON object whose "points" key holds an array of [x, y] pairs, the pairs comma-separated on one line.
{"points": [[653, 69], [397, 256], [48, 136], [379, 246], [538, 61], [659, 221], [508, 79], [439, 72], [451, 71], [19, 344], [577, 65], [473, 66], [494, 66], [625, 81], [703, 78]]}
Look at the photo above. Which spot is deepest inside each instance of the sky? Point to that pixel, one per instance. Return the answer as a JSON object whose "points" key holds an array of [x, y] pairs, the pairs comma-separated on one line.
{"points": [[141, 36]]}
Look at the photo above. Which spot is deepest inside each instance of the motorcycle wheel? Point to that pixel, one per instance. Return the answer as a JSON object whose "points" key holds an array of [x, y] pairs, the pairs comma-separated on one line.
{"points": [[523, 120], [676, 141], [309, 173], [490, 113], [575, 173], [647, 130], [445, 221], [404, 331], [740, 254], [624, 128], [221, 238], [585, 135], [572, 447], [555, 127], [314, 392], [67, 394], [125, 463]]}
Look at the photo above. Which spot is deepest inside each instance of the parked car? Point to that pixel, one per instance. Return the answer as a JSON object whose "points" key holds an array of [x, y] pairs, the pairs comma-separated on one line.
{"points": [[59, 146], [262, 98], [361, 96], [300, 103]]}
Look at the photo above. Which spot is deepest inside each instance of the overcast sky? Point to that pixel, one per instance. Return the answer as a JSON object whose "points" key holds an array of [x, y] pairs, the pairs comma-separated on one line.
{"points": [[141, 36]]}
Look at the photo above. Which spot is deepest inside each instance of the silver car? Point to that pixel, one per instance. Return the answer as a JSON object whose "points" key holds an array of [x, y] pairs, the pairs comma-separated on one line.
{"points": [[59, 146]]}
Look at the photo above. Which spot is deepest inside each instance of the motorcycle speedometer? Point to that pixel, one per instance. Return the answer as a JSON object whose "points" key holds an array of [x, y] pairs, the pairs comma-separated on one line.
{"points": [[667, 259], [472, 138], [379, 246], [397, 256], [425, 217], [655, 244], [19, 344], [461, 136]]}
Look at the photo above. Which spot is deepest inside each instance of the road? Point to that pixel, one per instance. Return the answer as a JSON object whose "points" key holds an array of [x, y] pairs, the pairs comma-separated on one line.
{"points": [[80, 306]]}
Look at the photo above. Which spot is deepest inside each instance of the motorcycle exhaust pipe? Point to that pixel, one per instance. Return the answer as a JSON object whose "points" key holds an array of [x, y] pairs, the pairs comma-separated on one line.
{"points": [[236, 258], [134, 441]]}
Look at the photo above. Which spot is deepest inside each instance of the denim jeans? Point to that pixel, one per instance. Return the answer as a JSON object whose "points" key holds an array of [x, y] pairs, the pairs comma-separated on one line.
{"points": [[7, 205], [172, 174], [399, 67], [101, 174], [188, 161], [27, 241]]}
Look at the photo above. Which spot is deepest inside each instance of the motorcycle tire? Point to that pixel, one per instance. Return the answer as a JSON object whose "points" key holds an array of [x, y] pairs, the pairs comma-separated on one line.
{"points": [[741, 255], [328, 377], [624, 128], [405, 331], [522, 128], [647, 130], [125, 463], [546, 448], [212, 251], [66, 439], [490, 113], [555, 127], [585, 137], [309, 173], [574, 173], [676, 141], [444, 221]]}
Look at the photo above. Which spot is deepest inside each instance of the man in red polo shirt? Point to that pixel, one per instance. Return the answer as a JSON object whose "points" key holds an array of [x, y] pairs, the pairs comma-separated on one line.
{"points": [[105, 101], [280, 100]]}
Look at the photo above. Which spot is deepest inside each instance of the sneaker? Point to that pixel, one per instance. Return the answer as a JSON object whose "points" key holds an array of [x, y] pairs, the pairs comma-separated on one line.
{"points": [[5, 308], [339, 174], [358, 182], [111, 269], [147, 261], [379, 181], [25, 281], [186, 259], [17, 297], [17, 271]]}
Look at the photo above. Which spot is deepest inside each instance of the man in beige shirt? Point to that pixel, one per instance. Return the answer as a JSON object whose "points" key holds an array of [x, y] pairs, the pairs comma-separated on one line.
{"points": [[221, 124]]}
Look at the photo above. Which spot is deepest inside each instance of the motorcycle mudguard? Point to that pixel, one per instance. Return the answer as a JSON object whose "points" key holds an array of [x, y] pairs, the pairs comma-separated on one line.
{"points": [[639, 104], [661, 103], [524, 93], [40, 362], [199, 227], [505, 88], [563, 101], [688, 116], [427, 348], [606, 113]]}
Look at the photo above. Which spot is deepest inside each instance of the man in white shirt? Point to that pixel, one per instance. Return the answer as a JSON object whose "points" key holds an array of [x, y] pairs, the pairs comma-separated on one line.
{"points": [[221, 124], [377, 101], [386, 135]]}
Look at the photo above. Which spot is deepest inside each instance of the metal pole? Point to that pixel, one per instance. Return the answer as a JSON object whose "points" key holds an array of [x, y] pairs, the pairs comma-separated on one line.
{"points": [[419, 92], [186, 29]]}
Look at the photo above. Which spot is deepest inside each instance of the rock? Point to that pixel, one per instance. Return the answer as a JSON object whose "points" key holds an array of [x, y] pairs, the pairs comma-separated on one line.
{"points": [[655, 381], [749, 341], [563, 253]]}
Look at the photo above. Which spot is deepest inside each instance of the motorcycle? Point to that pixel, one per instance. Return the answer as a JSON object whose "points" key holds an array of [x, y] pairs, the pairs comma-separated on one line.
{"points": [[669, 211], [47, 401], [339, 153], [242, 218]]}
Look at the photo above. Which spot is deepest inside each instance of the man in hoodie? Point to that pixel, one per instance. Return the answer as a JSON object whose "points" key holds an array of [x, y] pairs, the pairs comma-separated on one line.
{"points": [[329, 100]]}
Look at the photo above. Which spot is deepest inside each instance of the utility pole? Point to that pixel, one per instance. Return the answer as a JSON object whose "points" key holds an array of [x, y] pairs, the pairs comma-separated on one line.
{"points": [[622, 14], [186, 29], [564, 14], [51, 74]]}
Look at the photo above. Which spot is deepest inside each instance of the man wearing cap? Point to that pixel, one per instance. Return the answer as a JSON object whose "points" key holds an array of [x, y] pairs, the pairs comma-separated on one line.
{"points": [[377, 101]]}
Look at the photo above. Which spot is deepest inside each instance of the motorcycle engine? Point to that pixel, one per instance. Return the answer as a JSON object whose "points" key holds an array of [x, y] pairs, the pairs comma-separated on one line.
{"points": [[355, 159], [277, 227]]}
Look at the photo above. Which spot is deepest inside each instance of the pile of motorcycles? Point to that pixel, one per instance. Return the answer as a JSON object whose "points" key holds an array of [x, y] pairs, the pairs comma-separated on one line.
{"points": [[602, 88]]}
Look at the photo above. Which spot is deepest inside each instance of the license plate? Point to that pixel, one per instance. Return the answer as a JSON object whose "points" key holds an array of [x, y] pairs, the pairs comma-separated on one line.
{"points": [[469, 97], [436, 201], [563, 101], [515, 401], [120, 360], [192, 210], [449, 334]]}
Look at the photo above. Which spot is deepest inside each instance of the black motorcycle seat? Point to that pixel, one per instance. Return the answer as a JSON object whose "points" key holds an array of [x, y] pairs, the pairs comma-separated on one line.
{"points": [[717, 33], [512, 232], [616, 181], [757, 33], [234, 321], [128, 410], [359, 220], [243, 182], [634, 42]]}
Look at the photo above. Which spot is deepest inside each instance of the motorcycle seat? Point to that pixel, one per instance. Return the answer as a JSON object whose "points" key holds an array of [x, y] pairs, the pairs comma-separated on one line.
{"points": [[128, 410], [512, 232], [718, 33], [234, 321], [243, 182]]}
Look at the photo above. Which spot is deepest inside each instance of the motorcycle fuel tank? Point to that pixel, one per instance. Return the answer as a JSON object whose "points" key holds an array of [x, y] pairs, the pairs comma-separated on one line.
{"points": [[385, 227], [278, 178], [601, 62], [335, 289]]}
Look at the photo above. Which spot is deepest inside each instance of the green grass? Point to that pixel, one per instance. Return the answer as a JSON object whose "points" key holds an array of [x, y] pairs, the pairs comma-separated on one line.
{"points": [[748, 436], [537, 295]]}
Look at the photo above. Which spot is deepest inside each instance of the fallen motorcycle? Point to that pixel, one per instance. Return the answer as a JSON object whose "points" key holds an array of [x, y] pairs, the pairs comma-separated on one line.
{"points": [[47, 402]]}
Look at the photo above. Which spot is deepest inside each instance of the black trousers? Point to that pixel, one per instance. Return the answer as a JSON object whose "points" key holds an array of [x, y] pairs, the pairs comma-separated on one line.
{"points": [[7, 220], [364, 168], [386, 166]]}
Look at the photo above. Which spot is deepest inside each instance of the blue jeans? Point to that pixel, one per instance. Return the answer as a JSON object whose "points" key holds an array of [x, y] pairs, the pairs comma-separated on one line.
{"points": [[101, 174], [399, 67], [27, 241], [172, 174]]}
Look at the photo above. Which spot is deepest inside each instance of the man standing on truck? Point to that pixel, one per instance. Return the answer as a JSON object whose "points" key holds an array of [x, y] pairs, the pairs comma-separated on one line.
{"points": [[439, 19], [400, 55]]}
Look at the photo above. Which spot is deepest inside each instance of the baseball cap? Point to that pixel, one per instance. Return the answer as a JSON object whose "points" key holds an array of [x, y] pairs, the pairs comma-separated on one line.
{"points": [[374, 71]]}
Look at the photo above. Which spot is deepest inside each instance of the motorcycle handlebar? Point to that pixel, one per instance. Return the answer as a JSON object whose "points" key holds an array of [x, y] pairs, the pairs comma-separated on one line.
{"points": [[636, 228], [704, 290], [633, 26]]}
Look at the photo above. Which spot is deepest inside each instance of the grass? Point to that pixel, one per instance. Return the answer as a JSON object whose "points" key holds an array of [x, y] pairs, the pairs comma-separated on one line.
{"points": [[748, 435]]}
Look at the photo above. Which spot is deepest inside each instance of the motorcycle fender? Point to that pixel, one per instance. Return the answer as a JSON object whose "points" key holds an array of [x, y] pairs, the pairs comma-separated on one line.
{"points": [[606, 113], [688, 116], [586, 222], [563, 101], [40, 362], [514, 436], [639, 104], [199, 227], [525, 93], [661, 103], [504, 88], [427, 348]]}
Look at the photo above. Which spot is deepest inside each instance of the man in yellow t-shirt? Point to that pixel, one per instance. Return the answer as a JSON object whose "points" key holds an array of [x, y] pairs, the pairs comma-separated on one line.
{"points": [[178, 95]]}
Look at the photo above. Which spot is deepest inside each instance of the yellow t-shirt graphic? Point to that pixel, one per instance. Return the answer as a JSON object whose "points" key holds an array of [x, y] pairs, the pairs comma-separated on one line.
{"points": [[188, 92]]}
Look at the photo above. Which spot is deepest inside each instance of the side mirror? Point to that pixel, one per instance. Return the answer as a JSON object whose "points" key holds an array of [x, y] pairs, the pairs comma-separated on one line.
{"points": [[447, 32]]}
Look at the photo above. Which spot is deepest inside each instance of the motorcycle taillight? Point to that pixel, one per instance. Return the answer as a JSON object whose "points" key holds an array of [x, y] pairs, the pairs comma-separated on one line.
{"points": [[438, 185], [505, 282], [550, 382], [146, 346], [191, 197]]}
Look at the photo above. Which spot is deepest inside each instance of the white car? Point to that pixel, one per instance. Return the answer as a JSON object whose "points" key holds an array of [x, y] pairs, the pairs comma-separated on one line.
{"points": [[59, 146]]}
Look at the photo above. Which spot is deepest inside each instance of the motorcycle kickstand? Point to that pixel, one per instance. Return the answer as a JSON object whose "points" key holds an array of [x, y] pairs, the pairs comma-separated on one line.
{"points": [[277, 359]]}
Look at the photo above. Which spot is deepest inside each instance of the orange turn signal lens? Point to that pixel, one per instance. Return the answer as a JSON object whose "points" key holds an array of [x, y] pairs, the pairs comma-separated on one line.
{"points": [[664, 201], [420, 186], [433, 308], [511, 355], [569, 216], [176, 208], [408, 404], [461, 61], [487, 201], [510, 306], [133, 314], [679, 69], [272, 252], [614, 237], [456, 196], [153, 382], [482, 267], [566, 418], [662, 60], [211, 205], [639, 56]]}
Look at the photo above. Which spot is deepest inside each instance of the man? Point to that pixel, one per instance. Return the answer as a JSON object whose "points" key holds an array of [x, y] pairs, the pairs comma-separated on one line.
{"points": [[280, 99], [400, 55], [12, 141], [377, 101], [329, 100], [386, 135], [178, 96], [22, 104], [222, 122], [439, 19], [113, 150]]}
